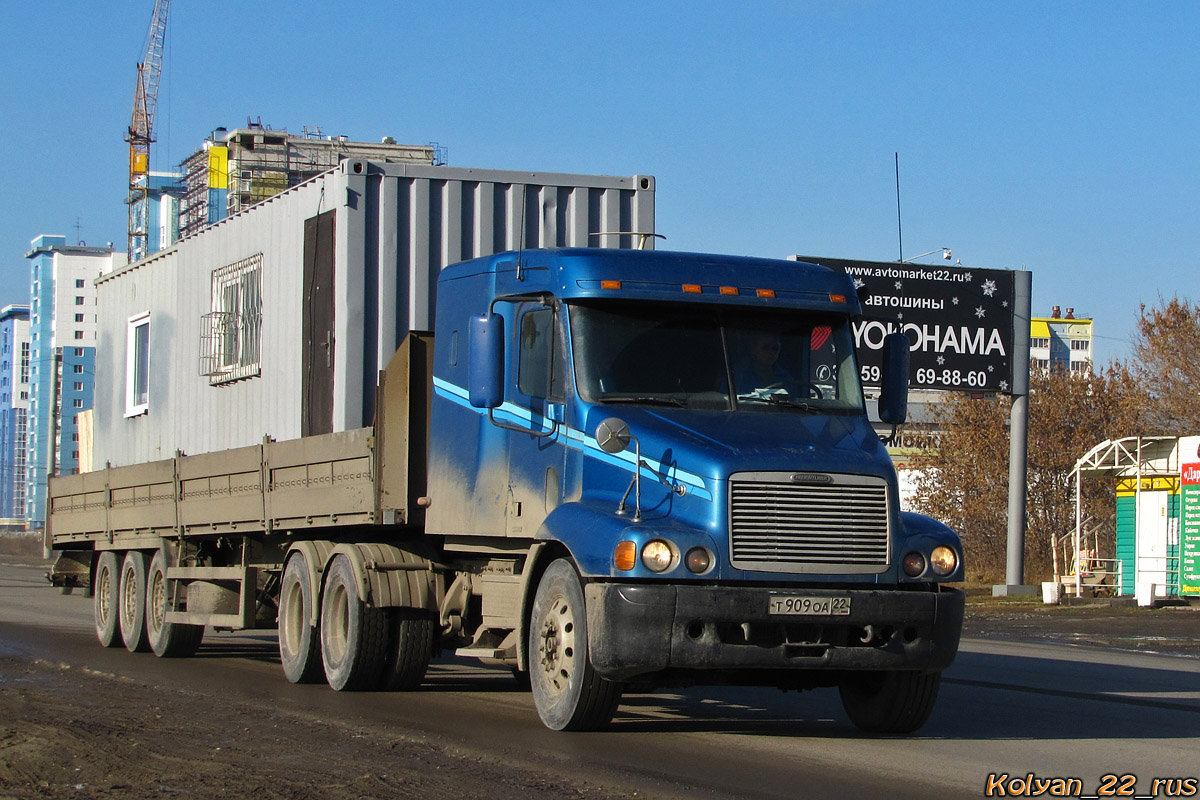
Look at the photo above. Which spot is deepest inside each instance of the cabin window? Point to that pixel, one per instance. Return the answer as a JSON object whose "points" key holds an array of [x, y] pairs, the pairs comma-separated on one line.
{"points": [[137, 365]]}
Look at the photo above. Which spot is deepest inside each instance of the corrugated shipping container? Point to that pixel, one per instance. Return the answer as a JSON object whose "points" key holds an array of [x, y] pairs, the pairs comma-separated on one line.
{"points": [[276, 321]]}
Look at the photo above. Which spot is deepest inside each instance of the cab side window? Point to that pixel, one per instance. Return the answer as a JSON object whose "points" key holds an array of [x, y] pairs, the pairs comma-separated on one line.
{"points": [[539, 373]]}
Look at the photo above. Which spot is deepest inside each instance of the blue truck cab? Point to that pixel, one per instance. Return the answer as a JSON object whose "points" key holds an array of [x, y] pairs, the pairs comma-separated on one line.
{"points": [[673, 453]]}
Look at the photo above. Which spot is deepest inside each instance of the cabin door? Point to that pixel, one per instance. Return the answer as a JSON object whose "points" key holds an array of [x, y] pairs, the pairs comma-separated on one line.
{"points": [[316, 412]]}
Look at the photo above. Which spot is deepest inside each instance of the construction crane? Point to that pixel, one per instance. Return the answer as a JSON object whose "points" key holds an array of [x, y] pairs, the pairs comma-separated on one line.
{"points": [[141, 132]]}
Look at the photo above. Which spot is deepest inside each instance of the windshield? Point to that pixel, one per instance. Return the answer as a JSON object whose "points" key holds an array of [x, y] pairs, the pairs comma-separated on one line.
{"points": [[690, 356]]}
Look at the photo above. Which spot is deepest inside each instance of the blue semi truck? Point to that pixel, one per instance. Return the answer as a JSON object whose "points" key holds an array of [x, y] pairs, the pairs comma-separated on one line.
{"points": [[610, 470]]}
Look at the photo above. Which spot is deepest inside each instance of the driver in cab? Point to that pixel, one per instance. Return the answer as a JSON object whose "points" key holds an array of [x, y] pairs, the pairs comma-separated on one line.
{"points": [[758, 369]]}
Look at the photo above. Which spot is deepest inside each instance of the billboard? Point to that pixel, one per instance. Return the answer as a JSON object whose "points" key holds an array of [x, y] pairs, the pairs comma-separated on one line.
{"points": [[959, 322]]}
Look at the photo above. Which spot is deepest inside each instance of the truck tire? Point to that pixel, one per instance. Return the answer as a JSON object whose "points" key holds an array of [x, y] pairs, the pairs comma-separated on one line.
{"points": [[410, 645], [299, 642], [106, 590], [167, 639], [131, 604], [354, 635], [568, 693], [897, 701]]}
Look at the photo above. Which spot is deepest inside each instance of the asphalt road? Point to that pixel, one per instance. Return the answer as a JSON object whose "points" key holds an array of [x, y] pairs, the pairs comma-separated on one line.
{"points": [[1006, 708]]}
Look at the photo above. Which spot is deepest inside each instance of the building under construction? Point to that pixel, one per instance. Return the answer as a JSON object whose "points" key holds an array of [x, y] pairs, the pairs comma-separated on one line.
{"points": [[236, 169]]}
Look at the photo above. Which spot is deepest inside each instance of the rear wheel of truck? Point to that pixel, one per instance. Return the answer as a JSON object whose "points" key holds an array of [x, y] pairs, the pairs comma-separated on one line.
{"points": [[131, 604], [105, 591], [568, 693], [891, 701], [167, 639], [410, 645], [354, 635], [299, 641]]}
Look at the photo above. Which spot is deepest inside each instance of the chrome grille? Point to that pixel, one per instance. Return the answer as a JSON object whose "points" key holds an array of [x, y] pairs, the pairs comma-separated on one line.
{"points": [[806, 522]]}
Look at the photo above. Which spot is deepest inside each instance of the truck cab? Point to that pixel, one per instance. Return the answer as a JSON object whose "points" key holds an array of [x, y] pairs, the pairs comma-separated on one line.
{"points": [[681, 444]]}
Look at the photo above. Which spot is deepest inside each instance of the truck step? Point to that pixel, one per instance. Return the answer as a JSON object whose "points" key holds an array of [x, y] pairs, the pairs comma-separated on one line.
{"points": [[486, 652]]}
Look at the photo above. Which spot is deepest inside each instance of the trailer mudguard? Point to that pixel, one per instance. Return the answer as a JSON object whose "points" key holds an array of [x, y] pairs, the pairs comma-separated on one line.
{"points": [[387, 576], [316, 553]]}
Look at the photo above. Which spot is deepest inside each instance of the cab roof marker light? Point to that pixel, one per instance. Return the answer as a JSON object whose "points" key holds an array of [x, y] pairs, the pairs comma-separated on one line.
{"points": [[765, 293], [731, 291], [610, 284], [837, 298], [691, 288]]}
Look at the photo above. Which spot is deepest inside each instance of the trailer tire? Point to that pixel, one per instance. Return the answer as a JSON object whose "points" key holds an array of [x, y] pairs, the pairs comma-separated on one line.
{"points": [[167, 639], [354, 635], [569, 694], [299, 641], [132, 602], [890, 702], [106, 590], [409, 648]]}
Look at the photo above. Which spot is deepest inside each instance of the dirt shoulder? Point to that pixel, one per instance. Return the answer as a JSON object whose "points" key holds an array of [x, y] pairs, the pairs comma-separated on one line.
{"points": [[1171, 630], [69, 732]]}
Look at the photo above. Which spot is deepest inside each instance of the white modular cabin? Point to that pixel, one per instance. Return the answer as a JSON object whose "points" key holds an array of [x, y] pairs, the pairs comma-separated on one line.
{"points": [[276, 321]]}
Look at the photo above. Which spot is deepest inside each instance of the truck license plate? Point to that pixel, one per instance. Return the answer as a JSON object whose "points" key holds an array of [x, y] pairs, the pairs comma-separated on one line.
{"points": [[799, 605]]}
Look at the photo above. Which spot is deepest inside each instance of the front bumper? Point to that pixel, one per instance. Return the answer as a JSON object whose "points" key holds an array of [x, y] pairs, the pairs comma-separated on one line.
{"points": [[636, 630]]}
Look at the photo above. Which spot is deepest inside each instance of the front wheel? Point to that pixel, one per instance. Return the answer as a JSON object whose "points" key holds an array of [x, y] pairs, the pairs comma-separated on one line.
{"points": [[890, 702], [568, 692]]}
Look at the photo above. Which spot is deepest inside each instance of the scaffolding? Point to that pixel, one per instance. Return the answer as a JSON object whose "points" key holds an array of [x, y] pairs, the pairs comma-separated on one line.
{"points": [[236, 169]]}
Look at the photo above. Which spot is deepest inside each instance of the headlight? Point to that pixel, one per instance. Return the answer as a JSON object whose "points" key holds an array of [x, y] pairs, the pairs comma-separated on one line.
{"points": [[943, 560], [914, 564], [657, 555]]}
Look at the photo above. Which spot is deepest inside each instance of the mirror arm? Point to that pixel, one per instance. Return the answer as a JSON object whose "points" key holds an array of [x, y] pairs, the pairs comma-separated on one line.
{"points": [[508, 426]]}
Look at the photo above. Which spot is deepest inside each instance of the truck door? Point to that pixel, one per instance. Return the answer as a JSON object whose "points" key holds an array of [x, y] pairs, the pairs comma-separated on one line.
{"points": [[535, 459]]}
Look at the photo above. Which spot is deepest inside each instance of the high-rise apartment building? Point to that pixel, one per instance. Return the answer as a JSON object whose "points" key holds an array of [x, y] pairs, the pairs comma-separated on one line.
{"points": [[15, 357], [62, 333]]}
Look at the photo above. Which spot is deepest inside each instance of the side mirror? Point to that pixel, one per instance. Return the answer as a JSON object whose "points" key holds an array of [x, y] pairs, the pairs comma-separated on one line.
{"points": [[893, 390], [485, 361], [612, 435]]}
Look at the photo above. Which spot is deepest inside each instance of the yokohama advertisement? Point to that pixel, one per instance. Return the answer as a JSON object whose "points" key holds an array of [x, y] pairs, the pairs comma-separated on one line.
{"points": [[959, 322]]}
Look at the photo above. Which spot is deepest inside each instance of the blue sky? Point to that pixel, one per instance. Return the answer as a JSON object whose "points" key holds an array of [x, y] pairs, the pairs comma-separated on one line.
{"points": [[1058, 137]]}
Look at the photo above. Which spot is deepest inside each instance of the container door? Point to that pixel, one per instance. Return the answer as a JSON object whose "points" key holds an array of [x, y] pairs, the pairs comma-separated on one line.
{"points": [[535, 459], [1152, 524], [316, 412]]}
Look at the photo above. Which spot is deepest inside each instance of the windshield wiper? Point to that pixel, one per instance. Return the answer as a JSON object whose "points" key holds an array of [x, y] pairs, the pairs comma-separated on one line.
{"points": [[779, 399], [648, 401]]}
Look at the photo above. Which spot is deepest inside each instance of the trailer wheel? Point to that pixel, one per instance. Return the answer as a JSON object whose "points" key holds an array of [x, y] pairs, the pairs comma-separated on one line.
{"points": [[568, 693], [890, 702], [354, 635], [299, 642], [104, 598], [410, 645], [167, 639], [132, 602]]}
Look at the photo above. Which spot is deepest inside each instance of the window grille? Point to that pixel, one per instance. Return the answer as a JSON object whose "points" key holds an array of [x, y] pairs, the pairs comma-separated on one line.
{"points": [[231, 334]]}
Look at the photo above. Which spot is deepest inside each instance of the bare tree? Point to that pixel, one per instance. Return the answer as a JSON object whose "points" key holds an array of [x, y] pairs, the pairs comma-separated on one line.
{"points": [[965, 480], [1166, 366]]}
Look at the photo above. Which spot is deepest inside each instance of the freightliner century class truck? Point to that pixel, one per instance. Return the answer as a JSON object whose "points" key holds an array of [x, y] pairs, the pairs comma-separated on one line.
{"points": [[611, 470]]}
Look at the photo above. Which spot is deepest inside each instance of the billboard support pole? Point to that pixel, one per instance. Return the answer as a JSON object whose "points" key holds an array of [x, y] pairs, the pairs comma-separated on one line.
{"points": [[1018, 439]]}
